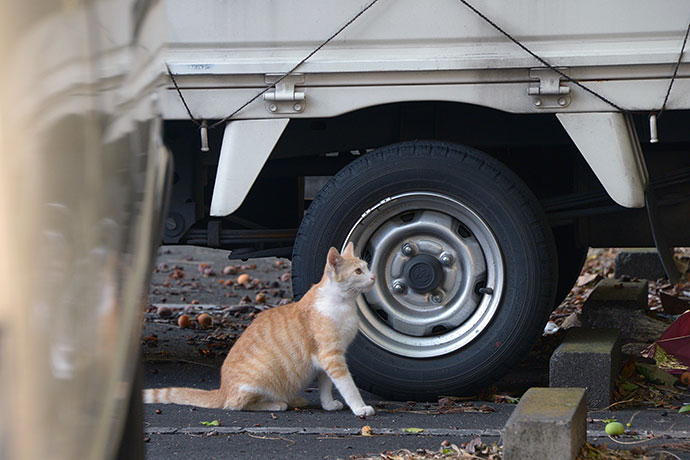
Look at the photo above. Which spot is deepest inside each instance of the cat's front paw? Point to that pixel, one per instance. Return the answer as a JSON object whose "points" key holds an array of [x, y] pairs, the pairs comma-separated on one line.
{"points": [[279, 406], [332, 405], [364, 410]]}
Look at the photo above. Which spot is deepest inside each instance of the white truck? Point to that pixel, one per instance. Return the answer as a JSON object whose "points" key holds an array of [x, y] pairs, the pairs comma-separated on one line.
{"points": [[471, 151]]}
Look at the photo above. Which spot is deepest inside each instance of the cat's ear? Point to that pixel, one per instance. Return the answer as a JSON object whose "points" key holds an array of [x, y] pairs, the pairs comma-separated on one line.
{"points": [[334, 259], [349, 250]]}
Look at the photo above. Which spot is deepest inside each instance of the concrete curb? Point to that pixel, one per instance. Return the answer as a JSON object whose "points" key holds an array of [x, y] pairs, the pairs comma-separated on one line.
{"points": [[588, 358], [377, 431], [547, 423], [640, 263], [322, 430]]}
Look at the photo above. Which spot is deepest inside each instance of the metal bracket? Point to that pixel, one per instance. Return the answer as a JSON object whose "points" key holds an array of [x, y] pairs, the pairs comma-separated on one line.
{"points": [[548, 91], [284, 98]]}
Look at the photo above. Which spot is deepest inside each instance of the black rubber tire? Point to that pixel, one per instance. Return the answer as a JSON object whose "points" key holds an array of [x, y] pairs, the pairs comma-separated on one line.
{"points": [[515, 217]]}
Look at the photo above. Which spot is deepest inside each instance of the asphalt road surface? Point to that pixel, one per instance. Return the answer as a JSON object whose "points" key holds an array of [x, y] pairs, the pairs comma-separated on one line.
{"points": [[192, 357]]}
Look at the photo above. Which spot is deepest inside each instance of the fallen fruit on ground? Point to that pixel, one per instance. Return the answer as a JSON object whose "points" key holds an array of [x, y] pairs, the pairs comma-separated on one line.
{"points": [[184, 321], [204, 320], [614, 428], [367, 431], [243, 278], [685, 378]]}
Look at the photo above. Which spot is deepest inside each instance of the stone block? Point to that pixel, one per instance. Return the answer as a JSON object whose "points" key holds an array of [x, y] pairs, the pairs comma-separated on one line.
{"points": [[548, 423], [611, 292], [622, 305], [640, 263], [590, 359]]}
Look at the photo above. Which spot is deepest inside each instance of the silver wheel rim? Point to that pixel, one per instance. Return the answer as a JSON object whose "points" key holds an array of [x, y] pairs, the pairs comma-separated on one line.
{"points": [[439, 274]]}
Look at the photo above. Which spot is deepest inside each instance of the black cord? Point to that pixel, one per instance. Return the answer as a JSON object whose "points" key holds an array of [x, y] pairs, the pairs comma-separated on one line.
{"points": [[179, 93], [538, 58], [306, 58], [675, 72]]}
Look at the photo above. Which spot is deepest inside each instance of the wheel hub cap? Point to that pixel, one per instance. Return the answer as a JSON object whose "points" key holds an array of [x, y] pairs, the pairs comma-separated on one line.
{"points": [[423, 273]]}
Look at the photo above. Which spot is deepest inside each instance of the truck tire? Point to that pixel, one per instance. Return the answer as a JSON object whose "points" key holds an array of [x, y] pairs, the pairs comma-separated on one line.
{"points": [[465, 262]]}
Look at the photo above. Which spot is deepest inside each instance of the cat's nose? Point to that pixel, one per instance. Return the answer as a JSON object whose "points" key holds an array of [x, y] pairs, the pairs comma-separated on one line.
{"points": [[373, 277]]}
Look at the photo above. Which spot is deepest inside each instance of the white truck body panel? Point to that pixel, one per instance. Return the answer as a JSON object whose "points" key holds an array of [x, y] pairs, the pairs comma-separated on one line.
{"points": [[223, 53], [609, 144], [246, 147], [622, 49]]}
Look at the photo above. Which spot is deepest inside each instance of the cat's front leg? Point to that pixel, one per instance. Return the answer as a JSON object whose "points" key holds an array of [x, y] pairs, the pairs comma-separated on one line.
{"points": [[326, 393], [335, 366], [346, 386]]}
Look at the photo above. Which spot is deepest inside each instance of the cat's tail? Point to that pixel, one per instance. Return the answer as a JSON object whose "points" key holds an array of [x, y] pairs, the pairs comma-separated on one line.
{"points": [[188, 396]]}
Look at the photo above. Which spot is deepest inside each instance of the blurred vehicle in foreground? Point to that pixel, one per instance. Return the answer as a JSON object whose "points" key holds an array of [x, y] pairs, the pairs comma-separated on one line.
{"points": [[82, 188]]}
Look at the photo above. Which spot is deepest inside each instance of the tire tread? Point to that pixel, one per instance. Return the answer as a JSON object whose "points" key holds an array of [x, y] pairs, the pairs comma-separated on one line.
{"points": [[504, 179]]}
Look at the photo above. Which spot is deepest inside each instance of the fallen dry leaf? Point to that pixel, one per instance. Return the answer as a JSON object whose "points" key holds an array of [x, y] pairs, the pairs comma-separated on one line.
{"points": [[447, 451], [587, 278], [673, 305], [447, 405], [211, 423], [413, 430]]}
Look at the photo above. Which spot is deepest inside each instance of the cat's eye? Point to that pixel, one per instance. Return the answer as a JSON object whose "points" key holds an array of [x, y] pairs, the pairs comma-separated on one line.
{"points": [[358, 271]]}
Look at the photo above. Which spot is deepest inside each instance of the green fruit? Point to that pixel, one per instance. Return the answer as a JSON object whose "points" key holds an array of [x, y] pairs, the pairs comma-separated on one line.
{"points": [[614, 428]]}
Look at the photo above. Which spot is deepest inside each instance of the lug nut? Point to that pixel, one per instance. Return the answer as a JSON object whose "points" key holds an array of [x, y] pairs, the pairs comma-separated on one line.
{"points": [[436, 297], [408, 249], [399, 287], [446, 259]]}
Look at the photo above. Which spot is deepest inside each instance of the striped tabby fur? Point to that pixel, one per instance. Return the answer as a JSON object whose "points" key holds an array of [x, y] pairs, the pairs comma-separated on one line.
{"points": [[286, 347]]}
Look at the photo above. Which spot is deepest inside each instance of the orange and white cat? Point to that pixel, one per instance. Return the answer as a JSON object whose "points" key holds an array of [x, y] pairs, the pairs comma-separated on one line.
{"points": [[286, 347]]}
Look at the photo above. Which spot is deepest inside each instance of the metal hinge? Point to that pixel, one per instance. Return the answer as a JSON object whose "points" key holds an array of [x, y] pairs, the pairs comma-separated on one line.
{"points": [[284, 98], [549, 91]]}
